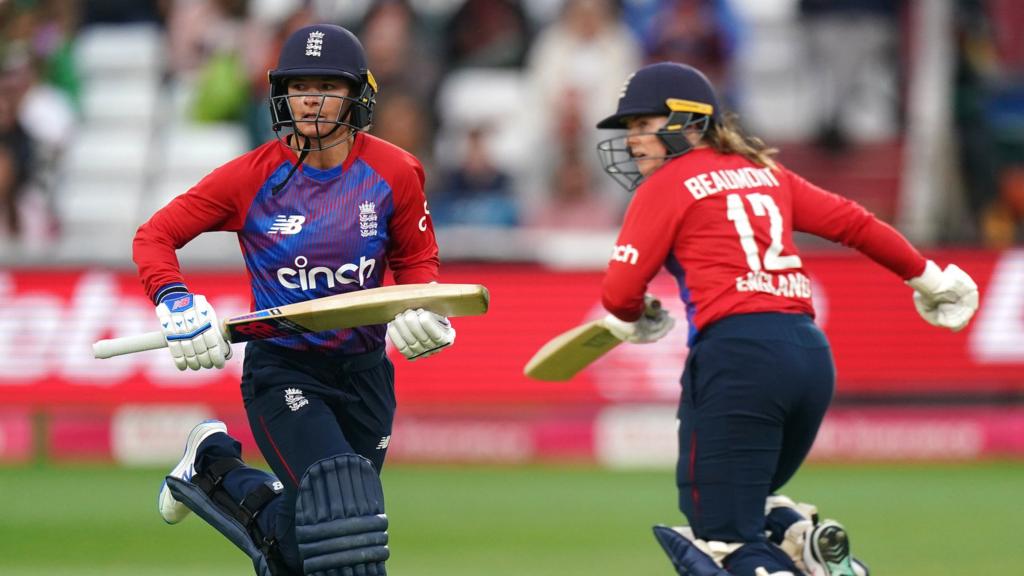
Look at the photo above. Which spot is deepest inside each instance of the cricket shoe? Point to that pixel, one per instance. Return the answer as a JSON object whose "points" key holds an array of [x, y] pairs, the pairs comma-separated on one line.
{"points": [[171, 510], [828, 551]]}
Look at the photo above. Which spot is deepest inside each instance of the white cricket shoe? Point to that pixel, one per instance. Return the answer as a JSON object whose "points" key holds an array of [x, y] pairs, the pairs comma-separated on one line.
{"points": [[171, 510], [827, 552]]}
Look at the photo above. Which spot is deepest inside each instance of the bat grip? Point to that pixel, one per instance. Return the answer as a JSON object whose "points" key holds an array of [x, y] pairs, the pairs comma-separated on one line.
{"points": [[129, 344]]}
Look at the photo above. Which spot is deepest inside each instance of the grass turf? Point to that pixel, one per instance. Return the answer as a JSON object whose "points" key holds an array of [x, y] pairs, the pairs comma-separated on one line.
{"points": [[906, 520]]}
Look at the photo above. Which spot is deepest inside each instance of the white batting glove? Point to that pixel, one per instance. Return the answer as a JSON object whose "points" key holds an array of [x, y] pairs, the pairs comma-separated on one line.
{"points": [[420, 333], [947, 298], [192, 332], [655, 323]]}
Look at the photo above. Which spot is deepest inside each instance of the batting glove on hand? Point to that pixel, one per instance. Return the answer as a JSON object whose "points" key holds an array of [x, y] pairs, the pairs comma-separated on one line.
{"points": [[651, 327], [420, 333], [192, 332], [947, 298]]}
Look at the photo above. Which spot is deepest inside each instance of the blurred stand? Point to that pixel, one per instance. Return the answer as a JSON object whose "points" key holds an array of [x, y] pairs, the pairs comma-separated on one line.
{"points": [[989, 117], [574, 73], [112, 108], [38, 107], [477, 192], [853, 54], [404, 60]]}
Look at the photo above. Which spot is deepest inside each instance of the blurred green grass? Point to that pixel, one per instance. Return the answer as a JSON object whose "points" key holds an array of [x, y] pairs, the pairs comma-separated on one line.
{"points": [[539, 520]]}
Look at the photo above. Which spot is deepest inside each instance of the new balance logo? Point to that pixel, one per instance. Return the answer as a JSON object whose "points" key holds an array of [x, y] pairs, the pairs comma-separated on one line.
{"points": [[182, 303], [625, 254], [287, 224], [384, 442]]}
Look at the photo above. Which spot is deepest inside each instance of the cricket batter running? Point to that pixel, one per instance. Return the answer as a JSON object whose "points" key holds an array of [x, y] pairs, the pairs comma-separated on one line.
{"points": [[714, 209], [324, 209]]}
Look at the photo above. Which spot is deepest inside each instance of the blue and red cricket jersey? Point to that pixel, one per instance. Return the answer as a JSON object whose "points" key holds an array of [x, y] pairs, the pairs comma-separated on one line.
{"points": [[325, 232], [723, 227]]}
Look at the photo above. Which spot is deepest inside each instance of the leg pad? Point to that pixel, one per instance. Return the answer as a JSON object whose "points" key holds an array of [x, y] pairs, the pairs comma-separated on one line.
{"points": [[340, 523]]}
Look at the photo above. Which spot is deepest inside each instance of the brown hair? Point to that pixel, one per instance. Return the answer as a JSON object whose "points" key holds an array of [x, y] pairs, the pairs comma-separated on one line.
{"points": [[726, 137]]}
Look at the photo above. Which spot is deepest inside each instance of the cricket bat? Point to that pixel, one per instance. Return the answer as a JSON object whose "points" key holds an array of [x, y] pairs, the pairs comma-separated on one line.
{"points": [[567, 354], [349, 310]]}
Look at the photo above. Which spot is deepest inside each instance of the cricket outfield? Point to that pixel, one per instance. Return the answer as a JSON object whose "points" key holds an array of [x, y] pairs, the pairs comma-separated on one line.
{"points": [[503, 521]]}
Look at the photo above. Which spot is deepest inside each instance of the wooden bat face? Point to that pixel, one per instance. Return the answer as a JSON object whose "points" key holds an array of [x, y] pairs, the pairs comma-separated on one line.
{"points": [[568, 353]]}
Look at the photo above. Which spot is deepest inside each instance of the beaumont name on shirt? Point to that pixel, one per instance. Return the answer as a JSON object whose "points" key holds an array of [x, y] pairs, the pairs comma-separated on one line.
{"points": [[789, 284]]}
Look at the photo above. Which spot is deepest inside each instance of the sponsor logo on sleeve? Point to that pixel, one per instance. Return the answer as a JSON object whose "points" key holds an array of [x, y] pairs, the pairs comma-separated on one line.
{"points": [[625, 254]]}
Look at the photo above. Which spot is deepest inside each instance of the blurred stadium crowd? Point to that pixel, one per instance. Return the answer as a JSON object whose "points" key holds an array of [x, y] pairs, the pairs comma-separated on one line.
{"points": [[109, 108]]}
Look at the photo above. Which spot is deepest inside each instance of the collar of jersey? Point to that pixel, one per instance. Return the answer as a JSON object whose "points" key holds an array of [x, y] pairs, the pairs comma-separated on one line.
{"points": [[322, 175]]}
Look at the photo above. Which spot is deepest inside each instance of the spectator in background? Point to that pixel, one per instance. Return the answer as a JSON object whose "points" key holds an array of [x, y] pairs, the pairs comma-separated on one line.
{"points": [[702, 33], [403, 55], [15, 159], [574, 67], [477, 192], [208, 56], [988, 103], [37, 121], [573, 205], [52, 43], [403, 120], [852, 46], [405, 61], [122, 11], [264, 41], [492, 33]]}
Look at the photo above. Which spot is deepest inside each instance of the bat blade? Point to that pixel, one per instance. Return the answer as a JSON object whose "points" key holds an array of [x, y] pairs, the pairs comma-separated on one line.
{"points": [[565, 355], [360, 308]]}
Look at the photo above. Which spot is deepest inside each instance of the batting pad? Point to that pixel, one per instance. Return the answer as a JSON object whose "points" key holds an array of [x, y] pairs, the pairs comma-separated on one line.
{"points": [[197, 501], [686, 557], [340, 523]]}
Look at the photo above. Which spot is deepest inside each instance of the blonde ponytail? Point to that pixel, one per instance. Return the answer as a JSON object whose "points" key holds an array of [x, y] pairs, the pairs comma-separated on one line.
{"points": [[726, 137]]}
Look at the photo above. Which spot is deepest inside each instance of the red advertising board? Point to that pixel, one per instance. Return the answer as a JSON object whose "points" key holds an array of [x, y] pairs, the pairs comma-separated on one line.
{"points": [[49, 318]]}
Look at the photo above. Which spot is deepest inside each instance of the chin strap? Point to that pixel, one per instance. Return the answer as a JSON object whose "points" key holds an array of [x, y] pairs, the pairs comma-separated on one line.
{"points": [[303, 152]]}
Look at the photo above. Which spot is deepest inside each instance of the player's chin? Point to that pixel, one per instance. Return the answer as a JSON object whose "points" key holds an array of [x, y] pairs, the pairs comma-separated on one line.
{"points": [[647, 166], [321, 131]]}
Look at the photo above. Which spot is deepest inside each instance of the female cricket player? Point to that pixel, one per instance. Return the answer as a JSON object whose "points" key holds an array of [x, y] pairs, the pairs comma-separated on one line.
{"points": [[714, 208], [323, 209]]}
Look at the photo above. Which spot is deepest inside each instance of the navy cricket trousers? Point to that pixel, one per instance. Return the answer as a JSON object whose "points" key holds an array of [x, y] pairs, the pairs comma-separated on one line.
{"points": [[304, 407], [755, 390]]}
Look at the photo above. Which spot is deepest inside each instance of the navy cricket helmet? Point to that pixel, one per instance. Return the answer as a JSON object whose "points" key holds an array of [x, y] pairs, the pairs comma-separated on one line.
{"points": [[324, 50], [670, 89]]}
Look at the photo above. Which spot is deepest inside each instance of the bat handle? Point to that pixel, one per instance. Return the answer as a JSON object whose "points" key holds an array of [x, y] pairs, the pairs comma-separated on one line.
{"points": [[128, 345]]}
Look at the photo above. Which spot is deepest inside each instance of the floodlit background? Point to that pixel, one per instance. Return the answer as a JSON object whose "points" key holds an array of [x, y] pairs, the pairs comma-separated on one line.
{"points": [[915, 108]]}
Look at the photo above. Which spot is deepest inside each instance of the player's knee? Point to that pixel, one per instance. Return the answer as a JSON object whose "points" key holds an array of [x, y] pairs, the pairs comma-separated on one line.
{"points": [[339, 517]]}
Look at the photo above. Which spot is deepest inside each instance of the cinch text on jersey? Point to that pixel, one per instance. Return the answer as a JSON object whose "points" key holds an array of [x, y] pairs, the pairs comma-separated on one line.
{"points": [[708, 183], [308, 278]]}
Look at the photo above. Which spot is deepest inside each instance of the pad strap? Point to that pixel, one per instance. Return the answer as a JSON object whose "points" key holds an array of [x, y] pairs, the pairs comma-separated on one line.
{"points": [[206, 496]]}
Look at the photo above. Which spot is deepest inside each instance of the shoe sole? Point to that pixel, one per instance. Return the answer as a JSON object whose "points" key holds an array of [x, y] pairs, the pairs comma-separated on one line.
{"points": [[832, 549], [165, 500]]}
